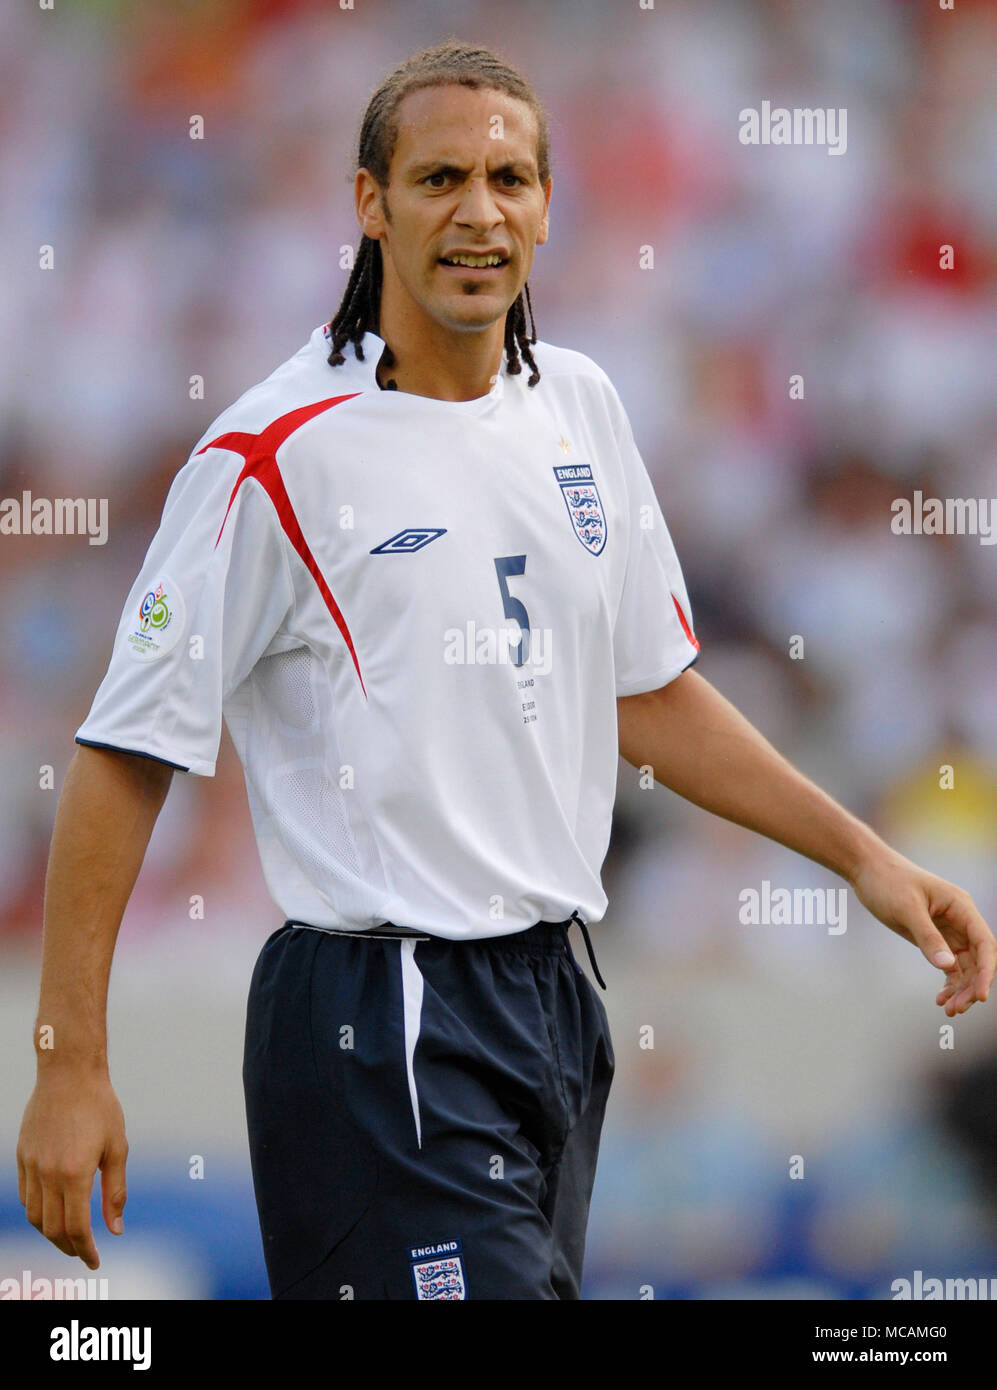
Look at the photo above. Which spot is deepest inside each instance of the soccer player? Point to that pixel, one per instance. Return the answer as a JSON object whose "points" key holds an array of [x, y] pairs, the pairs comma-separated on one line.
{"points": [[431, 591]]}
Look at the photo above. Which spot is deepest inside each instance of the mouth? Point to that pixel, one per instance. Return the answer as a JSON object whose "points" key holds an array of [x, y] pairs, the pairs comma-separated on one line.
{"points": [[474, 267]]}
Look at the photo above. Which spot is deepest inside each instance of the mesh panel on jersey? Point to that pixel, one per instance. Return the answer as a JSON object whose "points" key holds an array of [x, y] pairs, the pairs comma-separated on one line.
{"points": [[285, 682], [314, 826], [296, 751]]}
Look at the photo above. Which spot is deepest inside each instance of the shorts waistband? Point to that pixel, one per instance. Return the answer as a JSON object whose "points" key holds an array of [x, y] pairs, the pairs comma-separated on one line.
{"points": [[385, 930], [550, 937], [540, 935]]}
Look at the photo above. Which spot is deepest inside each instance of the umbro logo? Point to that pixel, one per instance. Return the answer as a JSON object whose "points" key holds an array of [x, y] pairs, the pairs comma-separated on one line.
{"points": [[405, 542]]}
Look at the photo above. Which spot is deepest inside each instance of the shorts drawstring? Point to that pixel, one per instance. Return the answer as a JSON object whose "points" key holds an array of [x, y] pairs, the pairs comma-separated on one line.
{"points": [[588, 946]]}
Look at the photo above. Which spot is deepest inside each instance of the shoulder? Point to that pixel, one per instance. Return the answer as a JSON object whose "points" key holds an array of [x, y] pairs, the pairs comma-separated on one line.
{"points": [[250, 430], [275, 407], [555, 361], [570, 369]]}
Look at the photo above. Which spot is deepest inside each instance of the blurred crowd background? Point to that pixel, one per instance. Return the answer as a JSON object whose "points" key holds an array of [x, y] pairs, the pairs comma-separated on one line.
{"points": [[217, 257]]}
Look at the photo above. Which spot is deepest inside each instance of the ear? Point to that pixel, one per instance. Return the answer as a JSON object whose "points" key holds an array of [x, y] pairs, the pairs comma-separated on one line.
{"points": [[544, 229], [370, 210]]}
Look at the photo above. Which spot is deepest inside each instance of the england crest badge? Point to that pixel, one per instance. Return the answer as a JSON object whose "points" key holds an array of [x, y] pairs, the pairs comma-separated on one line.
{"points": [[438, 1271], [581, 497]]}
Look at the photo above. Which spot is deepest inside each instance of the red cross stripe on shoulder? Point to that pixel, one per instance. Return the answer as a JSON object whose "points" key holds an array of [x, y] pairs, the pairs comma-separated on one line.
{"points": [[260, 454]]}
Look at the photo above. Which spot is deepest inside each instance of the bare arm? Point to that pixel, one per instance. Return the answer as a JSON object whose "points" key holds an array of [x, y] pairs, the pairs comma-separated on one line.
{"points": [[73, 1122], [700, 746]]}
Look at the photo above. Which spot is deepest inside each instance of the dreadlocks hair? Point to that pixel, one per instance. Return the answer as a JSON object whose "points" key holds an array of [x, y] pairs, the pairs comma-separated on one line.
{"points": [[450, 62]]}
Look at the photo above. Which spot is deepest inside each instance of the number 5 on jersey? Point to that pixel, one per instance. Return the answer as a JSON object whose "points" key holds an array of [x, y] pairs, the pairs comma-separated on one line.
{"points": [[506, 566]]}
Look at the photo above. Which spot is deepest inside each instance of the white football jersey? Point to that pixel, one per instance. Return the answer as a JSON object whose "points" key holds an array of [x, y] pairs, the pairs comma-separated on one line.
{"points": [[415, 616]]}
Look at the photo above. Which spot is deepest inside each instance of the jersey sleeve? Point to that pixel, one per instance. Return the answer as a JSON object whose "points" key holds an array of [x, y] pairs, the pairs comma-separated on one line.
{"points": [[211, 596], [653, 637]]}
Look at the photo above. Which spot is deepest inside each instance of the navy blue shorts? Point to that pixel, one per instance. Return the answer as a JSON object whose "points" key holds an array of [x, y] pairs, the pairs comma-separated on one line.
{"points": [[424, 1115]]}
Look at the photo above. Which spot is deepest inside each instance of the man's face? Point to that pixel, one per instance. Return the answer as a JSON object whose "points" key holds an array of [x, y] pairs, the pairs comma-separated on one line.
{"points": [[453, 187]]}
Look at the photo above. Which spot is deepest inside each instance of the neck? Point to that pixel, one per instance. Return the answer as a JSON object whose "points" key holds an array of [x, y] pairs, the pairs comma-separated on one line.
{"points": [[433, 360]]}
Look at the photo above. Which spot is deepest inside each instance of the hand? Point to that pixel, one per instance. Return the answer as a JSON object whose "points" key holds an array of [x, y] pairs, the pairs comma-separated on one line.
{"points": [[937, 917], [73, 1125]]}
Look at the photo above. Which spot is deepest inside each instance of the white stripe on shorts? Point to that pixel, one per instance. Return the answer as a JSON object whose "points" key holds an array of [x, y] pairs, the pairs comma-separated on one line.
{"points": [[412, 987]]}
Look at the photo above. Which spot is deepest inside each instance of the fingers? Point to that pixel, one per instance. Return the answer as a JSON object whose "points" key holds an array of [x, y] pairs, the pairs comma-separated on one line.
{"points": [[32, 1199], [53, 1225], [959, 989], [958, 994], [952, 935], [76, 1204], [933, 945], [946, 992], [984, 948], [59, 1207], [977, 960], [114, 1189], [963, 999]]}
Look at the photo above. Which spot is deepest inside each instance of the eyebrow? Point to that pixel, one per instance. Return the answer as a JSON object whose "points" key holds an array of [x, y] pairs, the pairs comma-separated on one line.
{"points": [[442, 166]]}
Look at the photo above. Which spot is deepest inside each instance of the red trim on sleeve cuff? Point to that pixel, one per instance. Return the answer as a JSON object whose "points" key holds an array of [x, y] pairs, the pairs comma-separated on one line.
{"points": [[685, 623]]}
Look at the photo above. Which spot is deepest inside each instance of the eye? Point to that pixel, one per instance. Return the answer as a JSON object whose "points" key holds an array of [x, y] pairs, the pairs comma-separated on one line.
{"points": [[438, 175], [515, 178]]}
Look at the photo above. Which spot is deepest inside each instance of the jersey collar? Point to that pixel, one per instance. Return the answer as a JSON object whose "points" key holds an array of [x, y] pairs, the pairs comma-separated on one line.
{"points": [[373, 347]]}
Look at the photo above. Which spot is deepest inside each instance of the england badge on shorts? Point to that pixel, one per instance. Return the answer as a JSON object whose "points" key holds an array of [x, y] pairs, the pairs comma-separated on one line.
{"points": [[438, 1270], [581, 497]]}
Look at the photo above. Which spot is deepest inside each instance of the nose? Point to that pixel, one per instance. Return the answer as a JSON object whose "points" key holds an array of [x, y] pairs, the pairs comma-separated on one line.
{"points": [[477, 207]]}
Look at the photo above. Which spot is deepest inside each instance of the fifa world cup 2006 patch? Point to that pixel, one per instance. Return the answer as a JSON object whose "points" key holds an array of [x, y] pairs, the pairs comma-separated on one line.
{"points": [[158, 622], [438, 1270]]}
